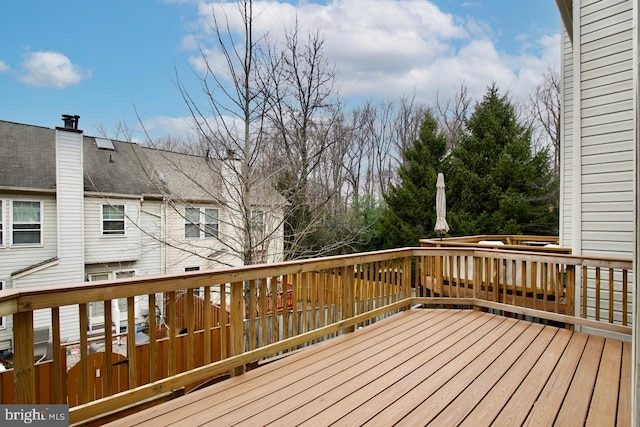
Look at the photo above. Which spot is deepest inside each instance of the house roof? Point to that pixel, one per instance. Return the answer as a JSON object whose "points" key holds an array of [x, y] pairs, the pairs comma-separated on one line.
{"points": [[27, 156], [565, 7], [27, 161]]}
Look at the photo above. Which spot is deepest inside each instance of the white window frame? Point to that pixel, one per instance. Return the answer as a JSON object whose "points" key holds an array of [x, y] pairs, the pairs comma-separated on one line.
{"points": [[124, 220], [13, 223], [122, 302], [3, 319], [188, 223], [205, 228], [111, 275], [202, 225], [96, 309], [3, 229]]}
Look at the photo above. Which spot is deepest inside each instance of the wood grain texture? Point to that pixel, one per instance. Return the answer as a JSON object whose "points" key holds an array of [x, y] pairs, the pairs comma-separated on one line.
{"points": [[419, 367]]}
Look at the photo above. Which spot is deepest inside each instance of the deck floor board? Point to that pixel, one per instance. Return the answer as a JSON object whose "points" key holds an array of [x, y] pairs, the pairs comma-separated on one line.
{"points": [[444, 367]]}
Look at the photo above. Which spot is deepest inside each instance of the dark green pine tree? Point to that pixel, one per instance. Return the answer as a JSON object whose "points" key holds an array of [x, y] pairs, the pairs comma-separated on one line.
{"points": [[495, 185], [410, 206]]}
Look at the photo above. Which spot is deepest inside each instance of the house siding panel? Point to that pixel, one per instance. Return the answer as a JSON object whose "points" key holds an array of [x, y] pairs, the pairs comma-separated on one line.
{"points": [[209, 253], [99, 249], [69, 196], [18, 258], [566, 167], [607, 126]]}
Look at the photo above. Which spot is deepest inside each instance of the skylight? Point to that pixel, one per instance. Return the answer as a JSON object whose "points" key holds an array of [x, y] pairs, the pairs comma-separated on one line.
{"points": [[105, 144]]}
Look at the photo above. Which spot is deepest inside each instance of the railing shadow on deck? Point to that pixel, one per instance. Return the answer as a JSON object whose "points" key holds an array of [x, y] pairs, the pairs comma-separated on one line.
{"points": [[324, 297]]}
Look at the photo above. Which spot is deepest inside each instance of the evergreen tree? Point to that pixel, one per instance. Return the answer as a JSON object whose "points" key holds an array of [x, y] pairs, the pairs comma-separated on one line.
{"points": [[495, 185], [410, 205]]}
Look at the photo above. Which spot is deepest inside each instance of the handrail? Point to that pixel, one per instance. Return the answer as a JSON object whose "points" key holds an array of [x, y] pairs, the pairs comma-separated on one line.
{"points": [[49, 296], [323, 296], [508, 242], [508, 239]]}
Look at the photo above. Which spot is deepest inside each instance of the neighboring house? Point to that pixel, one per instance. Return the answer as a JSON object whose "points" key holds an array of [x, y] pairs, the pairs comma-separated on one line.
{"points": [[599, 140], [76, 208]]}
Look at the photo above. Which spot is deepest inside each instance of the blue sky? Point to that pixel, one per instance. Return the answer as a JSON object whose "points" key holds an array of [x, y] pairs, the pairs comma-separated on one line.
{"points": [[99, 59]]}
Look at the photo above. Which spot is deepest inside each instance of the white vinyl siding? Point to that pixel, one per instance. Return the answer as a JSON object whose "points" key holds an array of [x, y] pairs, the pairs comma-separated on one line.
{"points": [[18, 258], [2, 220], [99, 248], [607, 126], [70, 200], [207, 253], [566, 145], [3, 319]]}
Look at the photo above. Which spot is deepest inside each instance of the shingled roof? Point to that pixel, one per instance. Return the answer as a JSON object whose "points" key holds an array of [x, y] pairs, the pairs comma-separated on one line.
{"points": [[27, 161], [27, 156]]}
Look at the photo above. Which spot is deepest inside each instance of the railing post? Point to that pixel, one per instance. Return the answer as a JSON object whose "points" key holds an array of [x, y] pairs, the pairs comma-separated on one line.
{"points": [[477, 278], [348, 292], [236, 322], [570, 291], [406, 278], [24, 367]]}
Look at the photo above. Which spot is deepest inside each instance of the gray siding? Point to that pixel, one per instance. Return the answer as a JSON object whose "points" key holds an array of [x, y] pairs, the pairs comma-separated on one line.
{"points": [[607, 127], [607, 136], [566, 156]]}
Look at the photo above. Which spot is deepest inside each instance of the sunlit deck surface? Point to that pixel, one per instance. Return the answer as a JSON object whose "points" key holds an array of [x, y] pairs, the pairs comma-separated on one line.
{"points": [[424, 367]]}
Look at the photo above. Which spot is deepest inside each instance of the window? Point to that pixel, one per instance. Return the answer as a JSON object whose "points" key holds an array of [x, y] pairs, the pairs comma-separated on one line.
{"points": [[210, 222], [122, 302], [99, 276], [27, 223], [1, 223], [96, 309], [188, 269], [113, 220], [192, 223], [200, 223], [125, 274], [257, 223]]}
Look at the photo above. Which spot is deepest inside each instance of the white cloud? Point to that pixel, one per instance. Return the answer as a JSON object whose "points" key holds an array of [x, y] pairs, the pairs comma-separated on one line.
{"points": [[389, 48], [178, 127], [4, 67], [51, 69], [184, 128]]}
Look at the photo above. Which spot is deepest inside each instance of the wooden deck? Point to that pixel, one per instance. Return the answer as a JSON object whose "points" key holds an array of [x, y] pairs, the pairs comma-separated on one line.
{"points": [[424, 367]]}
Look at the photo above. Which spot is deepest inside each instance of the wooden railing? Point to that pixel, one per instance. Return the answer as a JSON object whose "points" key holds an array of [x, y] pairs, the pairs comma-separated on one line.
{"points": [[219, 322], [515, 242], [590, 288]]}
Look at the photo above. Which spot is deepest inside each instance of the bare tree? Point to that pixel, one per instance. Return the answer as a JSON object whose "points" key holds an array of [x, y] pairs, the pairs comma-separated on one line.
{"points": [[302, 113], [452, 115], [545, 111], [231, 124]]}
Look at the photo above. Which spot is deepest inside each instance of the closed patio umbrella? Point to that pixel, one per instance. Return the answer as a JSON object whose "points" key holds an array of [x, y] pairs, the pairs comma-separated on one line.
{"points": [[441, 207]]}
